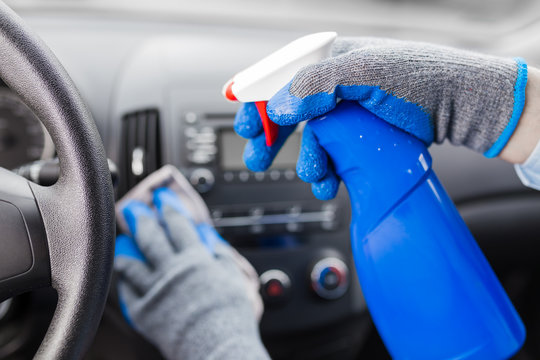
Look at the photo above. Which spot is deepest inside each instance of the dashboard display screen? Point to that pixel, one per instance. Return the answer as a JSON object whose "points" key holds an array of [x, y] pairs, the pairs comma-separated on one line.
{"points": [[232, 148]]}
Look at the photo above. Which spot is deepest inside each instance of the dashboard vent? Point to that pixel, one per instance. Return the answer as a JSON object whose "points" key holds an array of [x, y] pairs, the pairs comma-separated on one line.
{"points": [[140, 147]]}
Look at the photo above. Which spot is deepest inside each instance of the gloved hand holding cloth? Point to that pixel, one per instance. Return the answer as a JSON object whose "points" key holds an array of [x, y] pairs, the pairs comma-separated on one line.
{"points": [[181, 286]]}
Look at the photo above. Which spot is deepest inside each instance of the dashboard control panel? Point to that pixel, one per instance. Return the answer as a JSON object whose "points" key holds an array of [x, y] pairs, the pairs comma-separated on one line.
{"points": [[212, 158], [298, 244], [212, 153]]}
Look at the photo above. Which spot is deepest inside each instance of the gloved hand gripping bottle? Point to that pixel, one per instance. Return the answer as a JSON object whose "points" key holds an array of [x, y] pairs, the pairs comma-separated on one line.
{"points": [[430, 290]]}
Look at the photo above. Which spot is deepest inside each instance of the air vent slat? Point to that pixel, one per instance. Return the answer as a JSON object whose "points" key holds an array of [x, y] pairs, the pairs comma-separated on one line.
{"points": [[141, 147], [153, 158]]}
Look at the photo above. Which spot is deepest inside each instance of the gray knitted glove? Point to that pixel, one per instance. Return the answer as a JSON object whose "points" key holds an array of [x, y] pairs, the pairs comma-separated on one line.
{"points": [[432, 92], [183, 290]]}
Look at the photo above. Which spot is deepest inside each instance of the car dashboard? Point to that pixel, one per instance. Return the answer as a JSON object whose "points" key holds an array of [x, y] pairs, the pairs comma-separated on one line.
{"points": [[152, 72]]}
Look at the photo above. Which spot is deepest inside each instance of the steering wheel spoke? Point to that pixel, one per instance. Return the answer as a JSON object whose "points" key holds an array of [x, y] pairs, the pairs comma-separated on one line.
{"points": [[24, 256]]}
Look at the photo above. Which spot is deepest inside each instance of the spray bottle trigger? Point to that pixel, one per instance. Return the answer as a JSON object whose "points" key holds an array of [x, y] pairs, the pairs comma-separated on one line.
{"points": [[227, 91], [271, 129]]}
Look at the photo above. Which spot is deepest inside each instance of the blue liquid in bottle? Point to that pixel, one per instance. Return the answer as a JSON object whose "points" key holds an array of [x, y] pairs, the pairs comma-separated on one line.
{"points": [[430, 290]]}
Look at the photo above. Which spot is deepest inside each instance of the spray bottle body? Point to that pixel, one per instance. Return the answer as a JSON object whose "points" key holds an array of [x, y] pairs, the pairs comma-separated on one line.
{"points": [[430, 290]]}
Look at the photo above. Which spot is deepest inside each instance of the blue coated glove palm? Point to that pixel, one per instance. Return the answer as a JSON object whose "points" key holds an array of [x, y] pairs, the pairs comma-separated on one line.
{"points": [[180, 285], [432, 92]]}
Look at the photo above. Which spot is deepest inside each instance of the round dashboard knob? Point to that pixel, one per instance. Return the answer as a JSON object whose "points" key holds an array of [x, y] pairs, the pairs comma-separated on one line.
{"points": [[275, 285], [330, 278], [202, 179]]}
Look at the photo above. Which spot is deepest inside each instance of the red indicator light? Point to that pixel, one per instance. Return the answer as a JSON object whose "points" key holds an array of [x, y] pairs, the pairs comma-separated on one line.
{"points": [[274, 289]]}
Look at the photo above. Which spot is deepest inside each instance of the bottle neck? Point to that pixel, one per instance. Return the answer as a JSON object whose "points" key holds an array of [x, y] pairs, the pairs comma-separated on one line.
{"points": [[378, 162]]}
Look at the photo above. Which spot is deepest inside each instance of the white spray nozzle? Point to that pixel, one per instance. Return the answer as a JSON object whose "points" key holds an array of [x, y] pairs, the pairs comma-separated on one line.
{"points": [[263, 79], [259, 82]]}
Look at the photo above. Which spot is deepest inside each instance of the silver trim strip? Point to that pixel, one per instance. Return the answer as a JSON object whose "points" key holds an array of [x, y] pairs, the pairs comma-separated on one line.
{"points": [[311, 217]]}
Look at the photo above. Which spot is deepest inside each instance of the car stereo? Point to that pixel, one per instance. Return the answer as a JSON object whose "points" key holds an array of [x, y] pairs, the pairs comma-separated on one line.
{"points": [[212, 160]]}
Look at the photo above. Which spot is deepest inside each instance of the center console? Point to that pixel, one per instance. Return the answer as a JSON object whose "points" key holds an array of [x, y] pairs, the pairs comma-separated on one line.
{"points": [[298, 244]]}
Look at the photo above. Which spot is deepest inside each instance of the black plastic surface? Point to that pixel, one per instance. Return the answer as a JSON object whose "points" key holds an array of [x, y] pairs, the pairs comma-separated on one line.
{"points": [[16, 254], [24, 257]]}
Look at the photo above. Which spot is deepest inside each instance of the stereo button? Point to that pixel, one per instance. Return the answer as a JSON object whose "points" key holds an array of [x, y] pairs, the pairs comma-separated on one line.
{"points": [[289, 174], [191, 117], [200, 157], [294, 227], [243, 176], [190, 132], [202, 179], [275, 175], [275, 286]]}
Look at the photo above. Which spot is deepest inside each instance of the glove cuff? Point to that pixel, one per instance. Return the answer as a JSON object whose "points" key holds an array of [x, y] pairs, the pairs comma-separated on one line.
{"points": [[519, 104]]}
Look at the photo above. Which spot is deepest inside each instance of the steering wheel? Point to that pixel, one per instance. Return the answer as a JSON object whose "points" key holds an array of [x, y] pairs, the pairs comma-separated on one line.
{"points": [[63, 235]]}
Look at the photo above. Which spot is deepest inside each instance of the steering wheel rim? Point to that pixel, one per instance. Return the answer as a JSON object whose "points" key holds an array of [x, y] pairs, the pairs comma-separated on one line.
{"points": [[77, 213]]}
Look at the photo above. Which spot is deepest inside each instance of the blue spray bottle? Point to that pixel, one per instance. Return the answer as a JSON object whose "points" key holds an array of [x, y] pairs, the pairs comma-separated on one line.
{"points": [[430, 290]]}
